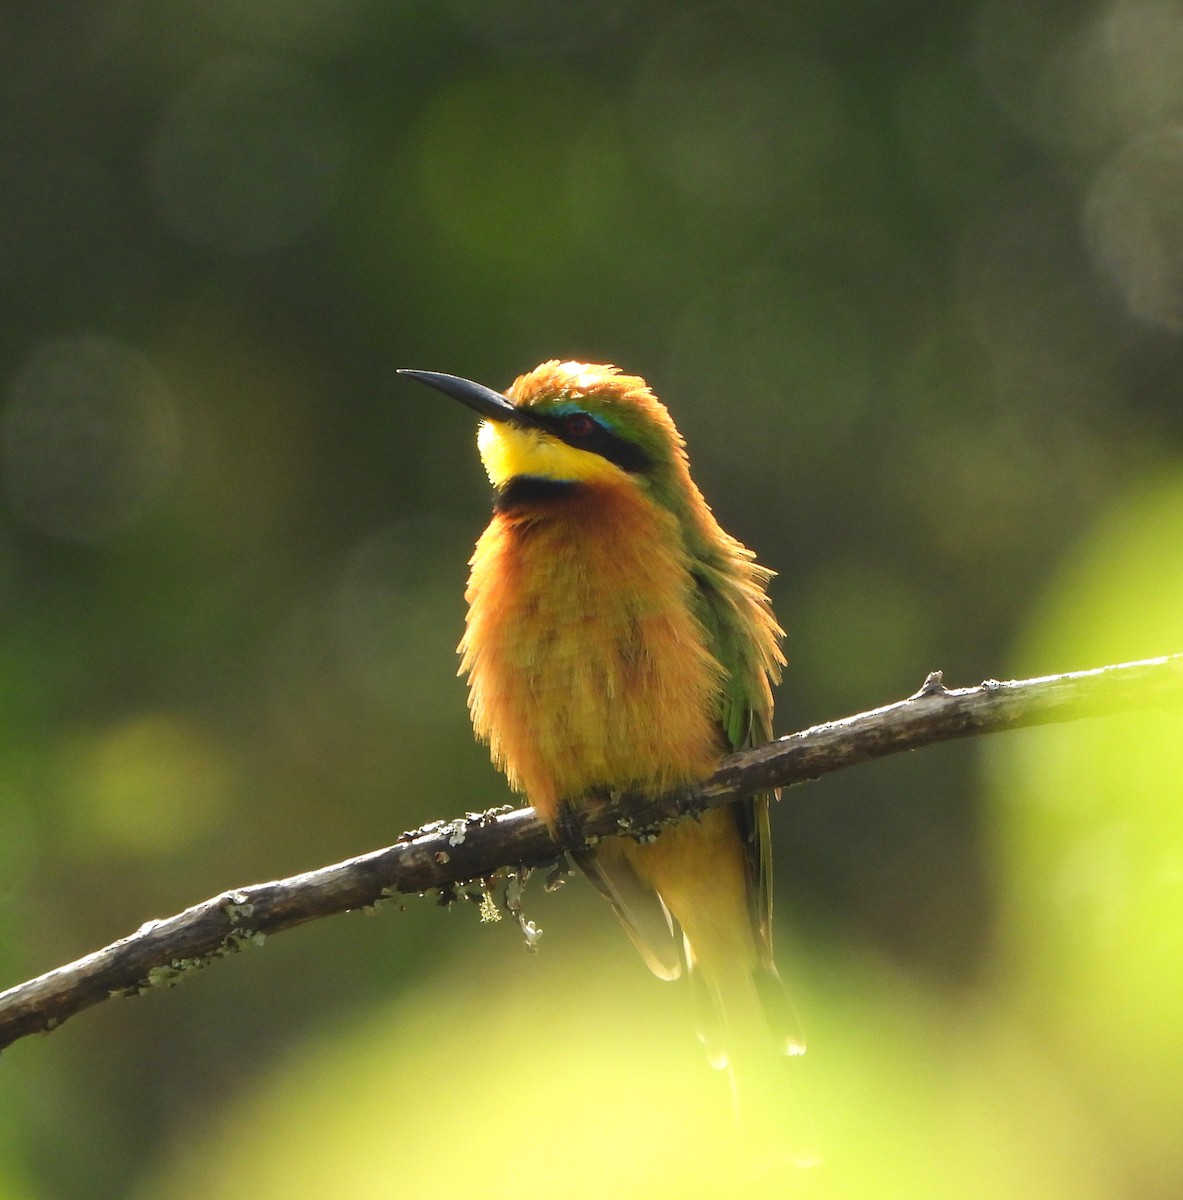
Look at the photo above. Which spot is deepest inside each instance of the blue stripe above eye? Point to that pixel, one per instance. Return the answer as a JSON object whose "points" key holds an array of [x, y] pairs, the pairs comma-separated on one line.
{"points": [[567, 407]]}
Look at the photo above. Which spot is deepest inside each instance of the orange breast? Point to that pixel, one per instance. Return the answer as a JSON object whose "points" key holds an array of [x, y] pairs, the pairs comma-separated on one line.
{"points": [[587, 667]]}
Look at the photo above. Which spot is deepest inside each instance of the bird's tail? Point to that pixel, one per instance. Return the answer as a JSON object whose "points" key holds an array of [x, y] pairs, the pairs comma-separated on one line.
{"points": [[701, 872], [742, 1002], [749, 1028]]}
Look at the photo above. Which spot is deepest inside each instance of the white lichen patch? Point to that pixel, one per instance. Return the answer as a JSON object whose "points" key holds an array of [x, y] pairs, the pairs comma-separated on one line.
{"points": [[488, 909], [237, 907], [515, 884]]}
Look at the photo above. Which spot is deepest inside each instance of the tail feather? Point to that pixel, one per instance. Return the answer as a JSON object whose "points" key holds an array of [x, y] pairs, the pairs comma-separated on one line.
{"points": [[710, 1019], [641, 910], [743, 1014], [779, 1012], [743, 1018], [745, 1007]]}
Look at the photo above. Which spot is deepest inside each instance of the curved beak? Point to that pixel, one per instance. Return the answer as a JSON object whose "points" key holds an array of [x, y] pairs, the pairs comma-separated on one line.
{"points": [[491, 405]]}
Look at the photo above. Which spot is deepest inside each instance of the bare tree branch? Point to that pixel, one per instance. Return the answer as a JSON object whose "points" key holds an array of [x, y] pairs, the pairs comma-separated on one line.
{"points": [[447, 854]]}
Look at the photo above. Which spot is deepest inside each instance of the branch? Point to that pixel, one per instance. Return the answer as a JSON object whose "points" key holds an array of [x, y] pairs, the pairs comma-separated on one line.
{"points": [[447, 854]]}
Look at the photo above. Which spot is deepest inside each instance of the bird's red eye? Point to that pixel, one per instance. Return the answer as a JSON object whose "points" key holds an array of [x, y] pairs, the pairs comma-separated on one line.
{"points": [[578, 425]]}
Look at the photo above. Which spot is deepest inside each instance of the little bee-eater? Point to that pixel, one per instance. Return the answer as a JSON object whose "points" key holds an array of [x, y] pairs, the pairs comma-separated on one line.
{"points": [[619, 640]]}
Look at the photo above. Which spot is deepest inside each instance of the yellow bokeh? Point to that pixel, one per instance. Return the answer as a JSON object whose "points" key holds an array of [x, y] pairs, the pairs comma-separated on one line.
{"points": [[1091, 834], [151, 783], [575, 1072]]}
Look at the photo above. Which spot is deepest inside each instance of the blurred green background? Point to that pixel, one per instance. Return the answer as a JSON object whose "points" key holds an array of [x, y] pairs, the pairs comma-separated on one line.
{"points": [[910, 278]]}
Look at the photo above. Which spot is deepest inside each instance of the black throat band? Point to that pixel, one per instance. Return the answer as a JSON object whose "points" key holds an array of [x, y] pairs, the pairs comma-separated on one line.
{"points": [[531, 491]]}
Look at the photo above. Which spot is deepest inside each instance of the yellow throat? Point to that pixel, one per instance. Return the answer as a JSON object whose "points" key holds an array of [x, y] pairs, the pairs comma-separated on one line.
{"points": [[509, 452]]}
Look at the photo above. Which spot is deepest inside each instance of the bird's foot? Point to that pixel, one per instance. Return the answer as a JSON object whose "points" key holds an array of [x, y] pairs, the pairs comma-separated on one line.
{"points": [[567, 827]]}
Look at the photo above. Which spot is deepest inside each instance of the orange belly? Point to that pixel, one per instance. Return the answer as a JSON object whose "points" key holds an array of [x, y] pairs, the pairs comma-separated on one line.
{"points": [[588, 669]]}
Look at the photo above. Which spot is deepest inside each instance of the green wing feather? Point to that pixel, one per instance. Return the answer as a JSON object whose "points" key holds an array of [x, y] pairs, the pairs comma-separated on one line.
{"points": [[746, 710], [746, 641]]}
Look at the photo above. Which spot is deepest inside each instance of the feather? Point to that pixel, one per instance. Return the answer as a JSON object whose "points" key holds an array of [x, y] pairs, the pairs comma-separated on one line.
{"points": [[645, 918]]}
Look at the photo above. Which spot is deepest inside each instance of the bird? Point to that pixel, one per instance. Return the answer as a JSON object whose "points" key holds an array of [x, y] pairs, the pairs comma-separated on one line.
{"points": [[619, 640]]}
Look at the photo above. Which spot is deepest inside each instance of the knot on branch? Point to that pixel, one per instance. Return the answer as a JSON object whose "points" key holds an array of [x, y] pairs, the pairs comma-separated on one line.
{"points": [[933, 685]]}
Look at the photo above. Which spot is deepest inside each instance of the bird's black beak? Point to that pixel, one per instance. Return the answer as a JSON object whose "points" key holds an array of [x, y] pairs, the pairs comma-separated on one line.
{"points": [[491, 405]]}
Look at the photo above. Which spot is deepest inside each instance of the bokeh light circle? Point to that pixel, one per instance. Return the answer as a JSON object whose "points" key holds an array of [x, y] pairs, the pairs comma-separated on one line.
{"points": [[90, 438], [1135, 225], [247, 156]]}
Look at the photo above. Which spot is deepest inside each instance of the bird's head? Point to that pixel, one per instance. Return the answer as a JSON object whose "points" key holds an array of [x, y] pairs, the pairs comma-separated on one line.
{"points": [[573, 423]]}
